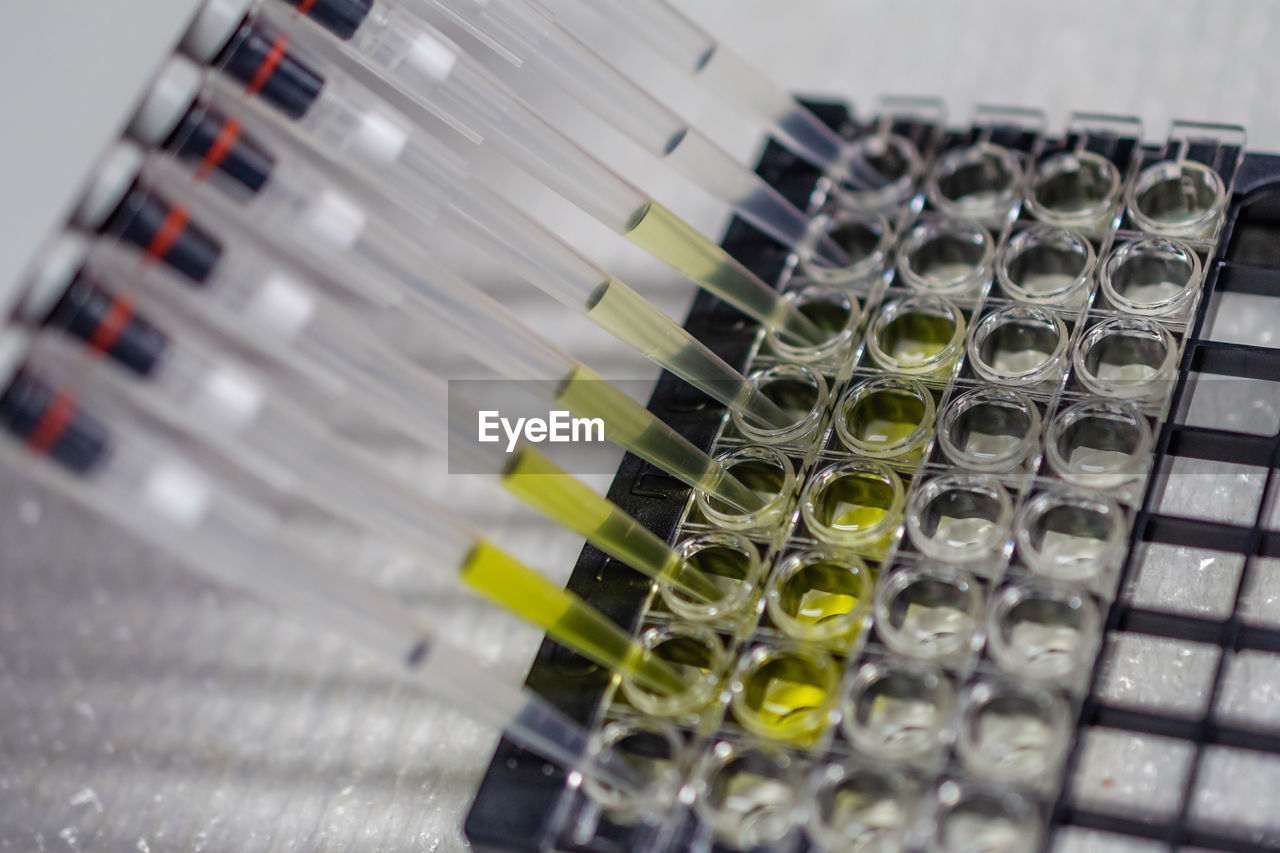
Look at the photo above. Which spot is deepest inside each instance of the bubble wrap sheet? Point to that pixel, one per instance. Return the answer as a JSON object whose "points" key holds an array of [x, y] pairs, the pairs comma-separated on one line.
{"points": [[141, 709]]}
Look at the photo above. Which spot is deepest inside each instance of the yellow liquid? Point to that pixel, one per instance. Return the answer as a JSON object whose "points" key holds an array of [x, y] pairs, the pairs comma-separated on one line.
{"points": [[634, 427], [885, 418], [916, 340], [785, 698], [726, 568], [576, 625], [672, 240], [856, 517], [697, 665], [765, 480], [629, 317], [541, 484], [820, 592], [830, 317], [854, 504]]}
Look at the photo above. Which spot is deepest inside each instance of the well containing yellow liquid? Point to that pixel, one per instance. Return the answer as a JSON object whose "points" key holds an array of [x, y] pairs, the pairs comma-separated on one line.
{"points": [[918, 336], [886, 418], [785, 693], [856, 503], [821, 595]]}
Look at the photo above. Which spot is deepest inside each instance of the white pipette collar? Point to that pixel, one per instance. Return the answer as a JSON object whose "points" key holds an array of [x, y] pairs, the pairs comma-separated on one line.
{"points": [[54, 273], [170, 96], [213, 27], [116, 172], [14, 345]]}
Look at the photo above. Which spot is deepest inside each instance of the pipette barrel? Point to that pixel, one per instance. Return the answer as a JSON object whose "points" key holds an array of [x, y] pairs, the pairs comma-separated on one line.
{"points": [[216, 141], [228, 407], [533, 478], [50, 423], [375, 258], [108, 324], [421, 64], [537, 255], [261, 61], [556, 269], [165, 233]]}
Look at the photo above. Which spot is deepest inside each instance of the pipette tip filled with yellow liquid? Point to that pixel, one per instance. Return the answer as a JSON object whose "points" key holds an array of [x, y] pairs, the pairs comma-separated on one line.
{"points": [[669, 238], [541, 484], [634, 427], [506, 581]]}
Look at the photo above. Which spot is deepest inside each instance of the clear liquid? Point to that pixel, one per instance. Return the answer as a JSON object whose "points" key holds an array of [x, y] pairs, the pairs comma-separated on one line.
{"points": [[902, 724], [576, 625], [1013, 744], [1064, 548], [1048, 648], [1152, 293], [1015, 349], [867, 820], [544, 486], [1042, 284], [936, 625], [669, 238], [1134, 373], [1092, 460], [963, 533], [991, 432]]}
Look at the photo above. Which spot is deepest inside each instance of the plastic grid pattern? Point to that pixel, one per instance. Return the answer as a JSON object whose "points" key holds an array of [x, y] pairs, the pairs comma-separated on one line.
{"points": [[527, 813]]}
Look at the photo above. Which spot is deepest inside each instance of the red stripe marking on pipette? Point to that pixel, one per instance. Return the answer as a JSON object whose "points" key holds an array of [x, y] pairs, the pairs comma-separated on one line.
{"points": [[221, 147], [167, 234], [268, 66], [112, 325], [305, 6], [53, 423]]}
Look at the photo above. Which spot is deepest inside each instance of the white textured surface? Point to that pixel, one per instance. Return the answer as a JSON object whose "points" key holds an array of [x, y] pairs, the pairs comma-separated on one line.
{"points": [[1186, 580], [1074, 840], [1236, 792], [127, 706], [1260, 599], [1250, 691], [1240, 405], [1137, 776], [1155, 674], [1220, 491]]}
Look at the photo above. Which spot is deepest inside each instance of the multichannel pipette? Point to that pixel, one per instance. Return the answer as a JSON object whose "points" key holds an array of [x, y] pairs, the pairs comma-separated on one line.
{"points": [[189, 126], [66, 295], [361, 253], [532, 40], [728, 75], [230, 409], [128, 473], [422, 65]]}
